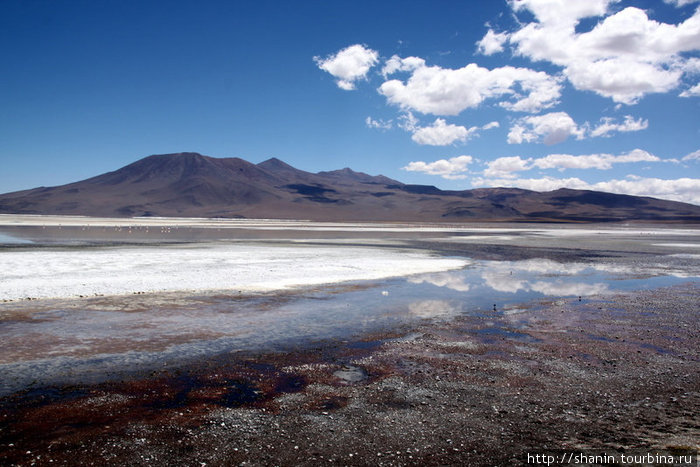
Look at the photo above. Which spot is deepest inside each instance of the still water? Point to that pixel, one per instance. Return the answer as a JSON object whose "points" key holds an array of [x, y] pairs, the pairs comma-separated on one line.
{"points": [[58, 345]]}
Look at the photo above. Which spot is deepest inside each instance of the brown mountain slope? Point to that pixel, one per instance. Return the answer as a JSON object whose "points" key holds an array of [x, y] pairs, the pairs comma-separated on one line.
{"points": [[192, 185]]}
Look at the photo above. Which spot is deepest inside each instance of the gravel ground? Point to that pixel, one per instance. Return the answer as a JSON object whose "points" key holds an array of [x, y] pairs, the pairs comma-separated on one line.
{"points": [[609, 375]]}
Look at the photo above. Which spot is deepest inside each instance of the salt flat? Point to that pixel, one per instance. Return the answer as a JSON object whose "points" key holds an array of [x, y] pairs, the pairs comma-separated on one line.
{"points": [[73, 256], [283, 224], [63, 273]]}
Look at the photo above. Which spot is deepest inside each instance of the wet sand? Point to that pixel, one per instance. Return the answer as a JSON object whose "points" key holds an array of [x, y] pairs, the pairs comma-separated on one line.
{"points": [[607, 374]]}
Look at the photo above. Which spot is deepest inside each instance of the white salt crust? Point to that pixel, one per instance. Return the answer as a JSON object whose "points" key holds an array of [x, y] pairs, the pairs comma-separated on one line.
{"points": [[63, 273]]}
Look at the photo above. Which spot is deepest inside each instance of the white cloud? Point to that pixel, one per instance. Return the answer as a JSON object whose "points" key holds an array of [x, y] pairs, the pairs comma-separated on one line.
{"points": [[505, 167], [593, 161], [624, 81], [680, 3], [556, 127], [608, 126], [635, 155], [492, 42], [683, 189], [692, 65], [535, 184], [451, 169], [624, 57], [396, 63], [693, 156], [442, 91], [692, 92], [551, 128], [442, 133], [408, 122], [349, 65], [379, 124], [562, 13]]}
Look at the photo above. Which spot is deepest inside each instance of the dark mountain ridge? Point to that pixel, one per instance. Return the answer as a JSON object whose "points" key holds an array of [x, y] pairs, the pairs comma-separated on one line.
{"points": [[193, 185]]}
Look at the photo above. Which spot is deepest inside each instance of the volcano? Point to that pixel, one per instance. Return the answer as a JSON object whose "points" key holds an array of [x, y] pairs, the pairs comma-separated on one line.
{"points": [[193, 185]]}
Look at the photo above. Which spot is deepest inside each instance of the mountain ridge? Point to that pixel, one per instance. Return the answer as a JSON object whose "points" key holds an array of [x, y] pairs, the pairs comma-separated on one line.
{"points": [[190, 184]]}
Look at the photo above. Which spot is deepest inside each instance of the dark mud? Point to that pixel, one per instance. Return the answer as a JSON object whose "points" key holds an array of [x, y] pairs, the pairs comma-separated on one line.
{"points": [[614, 374]]}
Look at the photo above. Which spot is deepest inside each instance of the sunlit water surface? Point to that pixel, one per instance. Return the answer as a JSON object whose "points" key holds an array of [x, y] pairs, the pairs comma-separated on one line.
{"points": [[62, 346], [47, 343]]}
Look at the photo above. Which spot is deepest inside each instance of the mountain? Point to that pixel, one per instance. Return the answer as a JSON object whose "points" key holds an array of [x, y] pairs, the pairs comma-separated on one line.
{"points": [[193, 185]]}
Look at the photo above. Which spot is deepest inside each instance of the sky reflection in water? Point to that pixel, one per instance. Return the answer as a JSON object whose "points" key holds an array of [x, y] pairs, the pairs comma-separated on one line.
{"points": [[58, 346]]}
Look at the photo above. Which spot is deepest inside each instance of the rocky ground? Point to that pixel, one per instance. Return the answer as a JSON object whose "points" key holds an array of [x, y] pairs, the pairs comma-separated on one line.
{"points": [[608, 375]]}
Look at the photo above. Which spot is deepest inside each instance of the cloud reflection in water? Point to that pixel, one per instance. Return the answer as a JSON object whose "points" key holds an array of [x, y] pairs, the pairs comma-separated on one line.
{"points": [[434, 308], [533, 275], [451, 280]]}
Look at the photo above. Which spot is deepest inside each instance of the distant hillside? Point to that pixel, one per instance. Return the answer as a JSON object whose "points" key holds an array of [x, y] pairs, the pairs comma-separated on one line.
{"points": [[193, 185]]}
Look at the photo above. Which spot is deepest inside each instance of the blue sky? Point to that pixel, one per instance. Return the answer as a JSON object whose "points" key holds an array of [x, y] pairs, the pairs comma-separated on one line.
{"points": [[597, 94]]}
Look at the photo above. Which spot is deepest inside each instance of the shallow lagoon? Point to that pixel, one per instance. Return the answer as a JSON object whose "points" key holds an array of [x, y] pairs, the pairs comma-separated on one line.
{"points": [[67, 340]]}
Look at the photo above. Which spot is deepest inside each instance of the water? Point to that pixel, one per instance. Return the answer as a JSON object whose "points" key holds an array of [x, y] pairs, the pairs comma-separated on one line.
{"points": [[75, 340], [59, 346], [6, 239]]}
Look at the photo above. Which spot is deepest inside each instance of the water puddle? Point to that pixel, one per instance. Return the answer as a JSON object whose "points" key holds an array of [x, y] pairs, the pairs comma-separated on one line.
{"points": [[59, 346], [6, 239], [493, 334]]}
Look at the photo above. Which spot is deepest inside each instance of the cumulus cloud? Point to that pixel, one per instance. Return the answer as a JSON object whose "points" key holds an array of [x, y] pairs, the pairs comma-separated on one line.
{"points": [[624, 81], [492, 42], [624, 57], [441, 133], [454, 168], [551, 128], [562, 12], [506, 167], [379, 124], [682, 189], [556, 127], [608, 126], [593, 161], [396, 63], [443, 91], [349, 65]]}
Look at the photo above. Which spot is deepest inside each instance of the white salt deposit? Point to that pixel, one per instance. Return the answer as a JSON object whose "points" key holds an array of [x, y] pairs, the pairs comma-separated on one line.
{"points": [[64, 273]]}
